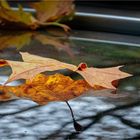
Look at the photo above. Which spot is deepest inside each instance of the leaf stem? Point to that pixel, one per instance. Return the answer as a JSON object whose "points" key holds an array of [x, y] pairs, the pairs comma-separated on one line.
{"points": [[77, 126], [70, 110], [65, 27]]}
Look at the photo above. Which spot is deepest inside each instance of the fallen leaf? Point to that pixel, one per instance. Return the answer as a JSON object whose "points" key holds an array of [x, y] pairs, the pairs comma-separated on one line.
{"points": [[43, 89], [19, 17], [34, 65], [50, 11]]}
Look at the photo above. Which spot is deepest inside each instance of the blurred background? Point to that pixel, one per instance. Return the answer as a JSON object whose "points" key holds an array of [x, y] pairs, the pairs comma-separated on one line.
{"points": [[104, 34]]}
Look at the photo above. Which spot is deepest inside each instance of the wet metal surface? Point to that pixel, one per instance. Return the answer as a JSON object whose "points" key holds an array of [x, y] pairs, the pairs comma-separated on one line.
{"points": [[103, 117]]}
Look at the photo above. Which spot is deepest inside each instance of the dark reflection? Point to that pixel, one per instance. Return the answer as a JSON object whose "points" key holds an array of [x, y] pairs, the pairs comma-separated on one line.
{"points": [[74, 50], [96, 119], [24, 41], [101, 117], [108, 122]]}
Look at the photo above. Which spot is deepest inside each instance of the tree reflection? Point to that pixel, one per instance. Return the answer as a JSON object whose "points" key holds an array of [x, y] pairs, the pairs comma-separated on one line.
{"points": [[97, 118]]}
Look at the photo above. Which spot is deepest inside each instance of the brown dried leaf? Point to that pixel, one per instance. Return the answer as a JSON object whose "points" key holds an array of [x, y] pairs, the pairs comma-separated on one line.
{"points": [[33, 65], [50, 11], [19, 17]]}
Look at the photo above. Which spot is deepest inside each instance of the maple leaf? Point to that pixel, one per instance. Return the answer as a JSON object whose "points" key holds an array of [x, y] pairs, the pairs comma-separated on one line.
{"points": [[33, 65]]}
